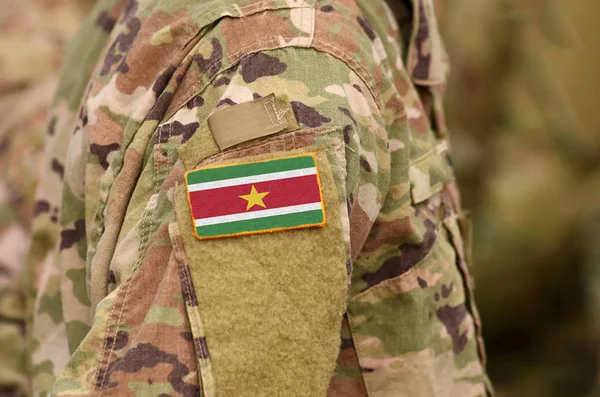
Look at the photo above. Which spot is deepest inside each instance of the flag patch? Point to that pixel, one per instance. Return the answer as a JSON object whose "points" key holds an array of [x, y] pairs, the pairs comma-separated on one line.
{"points": [[256, 197]]}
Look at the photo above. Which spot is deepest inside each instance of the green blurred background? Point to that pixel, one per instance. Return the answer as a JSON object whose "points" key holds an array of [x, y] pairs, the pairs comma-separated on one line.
{"points": [[523, 106]]}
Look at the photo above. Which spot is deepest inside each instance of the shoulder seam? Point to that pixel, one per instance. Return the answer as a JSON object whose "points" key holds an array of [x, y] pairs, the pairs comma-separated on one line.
{"points": [[340, 54]]}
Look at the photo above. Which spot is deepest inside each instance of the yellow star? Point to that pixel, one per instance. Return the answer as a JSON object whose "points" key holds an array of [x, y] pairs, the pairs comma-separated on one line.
{"points": [[254, 198]]}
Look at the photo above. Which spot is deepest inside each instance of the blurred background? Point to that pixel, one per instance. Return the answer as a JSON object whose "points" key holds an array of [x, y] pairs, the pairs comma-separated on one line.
{"points": [[523, 103], [33, 38], [523, 106]]}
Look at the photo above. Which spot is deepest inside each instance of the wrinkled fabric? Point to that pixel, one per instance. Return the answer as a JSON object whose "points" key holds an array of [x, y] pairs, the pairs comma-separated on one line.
{"points": [[123, 306]]}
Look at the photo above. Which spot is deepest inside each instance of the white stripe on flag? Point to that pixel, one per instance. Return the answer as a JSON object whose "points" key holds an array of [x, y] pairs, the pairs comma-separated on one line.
{"points": [[273, 176], [258, 214]]}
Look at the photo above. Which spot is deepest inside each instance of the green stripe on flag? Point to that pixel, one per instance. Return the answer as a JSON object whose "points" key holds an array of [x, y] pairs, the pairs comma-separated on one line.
{"points": [[253, 225], [249, 169]]}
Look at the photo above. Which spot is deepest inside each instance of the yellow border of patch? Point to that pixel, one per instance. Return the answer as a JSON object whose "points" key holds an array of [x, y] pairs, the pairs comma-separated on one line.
{"points": [[322, 224]]}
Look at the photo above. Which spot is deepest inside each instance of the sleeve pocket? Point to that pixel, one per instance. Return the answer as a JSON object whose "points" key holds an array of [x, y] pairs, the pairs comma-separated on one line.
{"points": [[432, 328], [429, 172], [269, 305]]}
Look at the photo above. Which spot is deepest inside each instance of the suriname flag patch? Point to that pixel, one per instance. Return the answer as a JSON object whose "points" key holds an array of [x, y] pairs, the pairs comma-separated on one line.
{"points": [[256, 197]]}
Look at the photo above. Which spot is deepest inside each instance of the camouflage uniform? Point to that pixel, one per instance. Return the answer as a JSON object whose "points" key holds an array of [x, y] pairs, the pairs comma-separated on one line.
{"points": [[129, 302], [33, 35]]}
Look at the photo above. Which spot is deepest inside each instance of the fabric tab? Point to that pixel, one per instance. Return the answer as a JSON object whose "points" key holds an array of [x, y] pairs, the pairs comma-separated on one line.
{"points": [[249, 120]]}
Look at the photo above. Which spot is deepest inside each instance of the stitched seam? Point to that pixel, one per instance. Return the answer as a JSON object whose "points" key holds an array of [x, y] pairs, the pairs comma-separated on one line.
{"points": [[164, 163], [168, 146], [135, 268], [206, 374], [269, 114], [341, 54], [127, 288], [301, 18], [247, 8], [186, 284], [143, 235], [262, 3], [106, 332], [197, 85], [157, 165], [240, 12], [280, 115], [344, 57], [112, 347], [313, 23]]}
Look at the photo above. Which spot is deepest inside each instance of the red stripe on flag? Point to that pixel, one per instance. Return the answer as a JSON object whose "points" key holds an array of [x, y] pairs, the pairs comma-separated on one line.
{"points": [[282, 193]]}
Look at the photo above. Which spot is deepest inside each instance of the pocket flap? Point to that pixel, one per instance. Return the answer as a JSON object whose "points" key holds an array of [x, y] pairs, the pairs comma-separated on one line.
{"points": [[429, 172]]}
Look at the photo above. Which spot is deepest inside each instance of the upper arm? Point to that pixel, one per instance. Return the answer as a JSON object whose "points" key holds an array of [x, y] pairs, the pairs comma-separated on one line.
{"points": [[284, 291]]}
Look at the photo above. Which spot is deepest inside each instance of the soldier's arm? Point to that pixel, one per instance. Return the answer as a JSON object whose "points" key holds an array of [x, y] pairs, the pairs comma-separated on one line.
{"points": [[233, 189], [267, 296]]}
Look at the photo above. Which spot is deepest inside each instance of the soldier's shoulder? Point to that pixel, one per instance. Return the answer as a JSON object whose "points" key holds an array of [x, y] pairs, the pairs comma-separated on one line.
{"points": [[218, 33]]}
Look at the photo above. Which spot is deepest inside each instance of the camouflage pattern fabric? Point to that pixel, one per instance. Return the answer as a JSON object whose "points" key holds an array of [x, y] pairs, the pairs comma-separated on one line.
{"points": [[33, 36], [522, 106], [118, 298]]}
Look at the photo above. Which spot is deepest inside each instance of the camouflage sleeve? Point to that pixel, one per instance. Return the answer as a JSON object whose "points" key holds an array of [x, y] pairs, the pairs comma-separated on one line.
{"points": [[239, 189], [331, 114], [295, 282]]}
